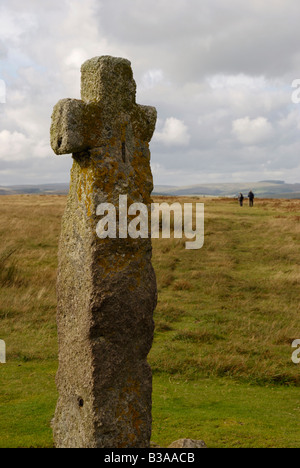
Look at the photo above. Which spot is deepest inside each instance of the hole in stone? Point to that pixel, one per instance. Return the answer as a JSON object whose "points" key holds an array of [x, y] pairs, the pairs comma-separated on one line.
{"points": [[59, 142], [123, 152], [109, 132], [80, 402]]}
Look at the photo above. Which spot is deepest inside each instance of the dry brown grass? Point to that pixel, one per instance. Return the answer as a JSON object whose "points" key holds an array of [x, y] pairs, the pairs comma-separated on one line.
{"points": [[231, 308], [242, 287]]}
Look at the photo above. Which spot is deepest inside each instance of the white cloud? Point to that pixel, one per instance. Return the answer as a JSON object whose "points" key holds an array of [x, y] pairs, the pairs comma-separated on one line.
{"points": [[174, 133], [76, 58], [252, 132], [15, 146], [151, 78]]}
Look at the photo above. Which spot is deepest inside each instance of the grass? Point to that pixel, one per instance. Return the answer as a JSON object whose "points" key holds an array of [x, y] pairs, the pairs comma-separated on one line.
{"points": [[225, 322], [232, 308], [225, 413]]}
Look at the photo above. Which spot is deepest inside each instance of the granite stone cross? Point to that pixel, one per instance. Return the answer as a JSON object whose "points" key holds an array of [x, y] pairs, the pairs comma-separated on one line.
{"points": [[106, 287]]}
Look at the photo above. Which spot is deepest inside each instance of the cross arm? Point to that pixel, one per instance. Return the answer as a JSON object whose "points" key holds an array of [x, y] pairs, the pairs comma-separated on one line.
{"points": [[75, 126], [145, 118]]}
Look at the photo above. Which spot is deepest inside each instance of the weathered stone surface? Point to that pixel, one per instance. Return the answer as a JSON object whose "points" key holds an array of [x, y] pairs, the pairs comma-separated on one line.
{"points": [[75, 126], [188, 444], [106, 288]]}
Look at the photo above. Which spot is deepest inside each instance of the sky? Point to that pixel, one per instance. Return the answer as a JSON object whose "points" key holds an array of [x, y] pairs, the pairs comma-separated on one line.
{"points": [[220, 74]]}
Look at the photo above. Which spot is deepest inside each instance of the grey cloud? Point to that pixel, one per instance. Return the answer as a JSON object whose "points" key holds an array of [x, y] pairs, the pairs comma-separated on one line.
{"points": [[183, 44], [193, 38]]}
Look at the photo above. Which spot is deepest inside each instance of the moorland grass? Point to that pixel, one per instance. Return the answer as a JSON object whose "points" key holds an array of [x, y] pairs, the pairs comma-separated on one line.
{"points": [[225, 321]]}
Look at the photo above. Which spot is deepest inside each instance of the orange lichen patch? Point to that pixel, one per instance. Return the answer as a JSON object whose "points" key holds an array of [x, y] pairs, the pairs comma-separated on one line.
{"points": [[102, 169], [115, 262], [123, 131], [142, 174], [105, 174]]}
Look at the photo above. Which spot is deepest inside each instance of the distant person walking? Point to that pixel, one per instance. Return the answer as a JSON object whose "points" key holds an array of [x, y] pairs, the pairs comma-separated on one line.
{"points": [[251, 198], [241, 199]]}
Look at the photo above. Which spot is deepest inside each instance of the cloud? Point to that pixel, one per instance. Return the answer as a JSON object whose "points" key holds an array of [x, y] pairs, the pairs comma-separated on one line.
{"points": [[14, 24], [219, 74], [15, 146], [252, 132], [2, 92], [193, 39], [174, 133], [151, 78]]}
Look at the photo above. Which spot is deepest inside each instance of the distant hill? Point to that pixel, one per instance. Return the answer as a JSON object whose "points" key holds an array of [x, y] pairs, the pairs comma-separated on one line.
{"points": [[280, 182], [45, 189], [264, 189]]}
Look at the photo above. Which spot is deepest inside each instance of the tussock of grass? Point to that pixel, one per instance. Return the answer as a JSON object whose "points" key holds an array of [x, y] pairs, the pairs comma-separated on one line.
{"points": [[168, 312], [167, 280], [9, 275], [162, 326], [182, 285]]}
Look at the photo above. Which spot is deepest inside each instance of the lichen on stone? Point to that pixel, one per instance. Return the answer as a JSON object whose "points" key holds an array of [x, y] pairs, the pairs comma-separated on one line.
{"points": [[106, 287]]}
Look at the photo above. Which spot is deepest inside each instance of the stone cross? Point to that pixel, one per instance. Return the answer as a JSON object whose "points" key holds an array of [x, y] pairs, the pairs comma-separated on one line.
{"points": [[106, 287]]}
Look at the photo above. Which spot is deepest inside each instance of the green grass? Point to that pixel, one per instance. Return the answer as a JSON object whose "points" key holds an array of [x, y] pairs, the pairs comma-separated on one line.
{"points": [[225, 322], [225, 413], [222, 412], [28, 397]]}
